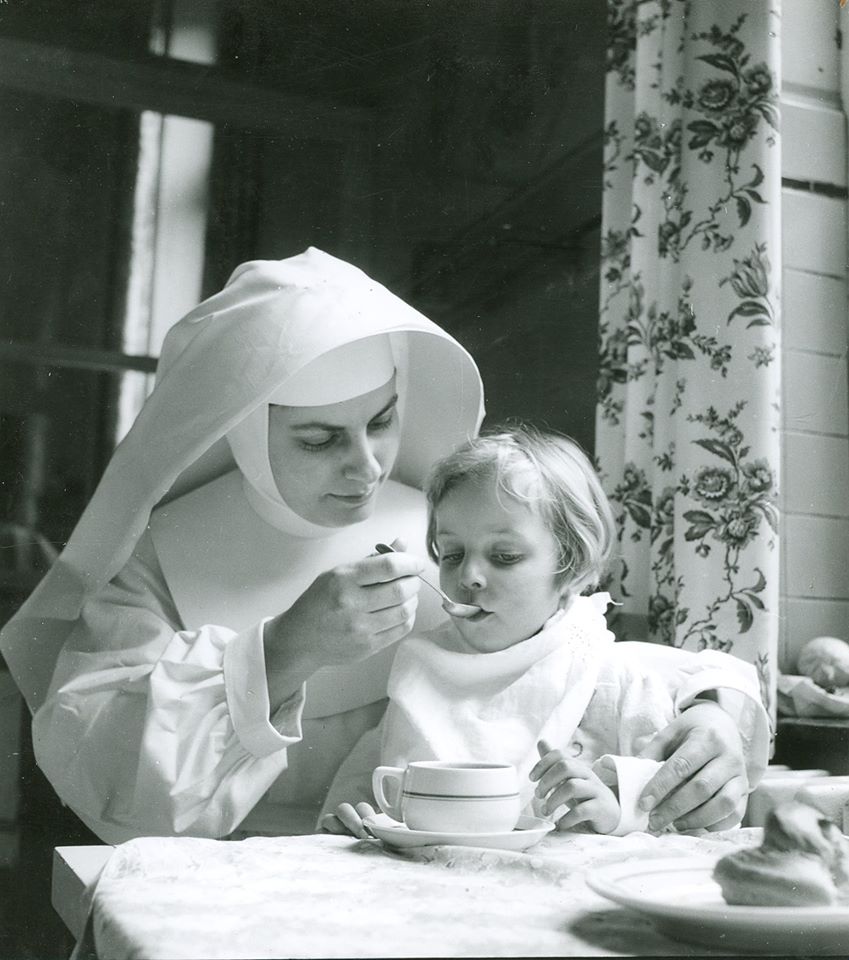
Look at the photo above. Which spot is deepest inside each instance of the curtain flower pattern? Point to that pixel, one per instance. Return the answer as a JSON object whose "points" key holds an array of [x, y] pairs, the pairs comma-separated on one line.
{"points": [[687, 432]]}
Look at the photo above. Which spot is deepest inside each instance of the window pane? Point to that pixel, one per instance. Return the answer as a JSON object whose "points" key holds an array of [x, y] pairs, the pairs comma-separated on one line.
{"points": [[52, 449], [66, 179]]}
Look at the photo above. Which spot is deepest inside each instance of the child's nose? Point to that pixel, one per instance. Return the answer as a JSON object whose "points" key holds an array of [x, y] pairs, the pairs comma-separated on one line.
{"points": [[471, 576]]}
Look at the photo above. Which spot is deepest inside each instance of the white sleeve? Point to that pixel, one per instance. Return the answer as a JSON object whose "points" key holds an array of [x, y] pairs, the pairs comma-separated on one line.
{"points": [[687, 675], [149, 729], [627, 776]]}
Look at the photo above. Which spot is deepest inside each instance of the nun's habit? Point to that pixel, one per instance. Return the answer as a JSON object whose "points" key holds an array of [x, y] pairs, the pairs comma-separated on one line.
{"points": [[141, 651]]}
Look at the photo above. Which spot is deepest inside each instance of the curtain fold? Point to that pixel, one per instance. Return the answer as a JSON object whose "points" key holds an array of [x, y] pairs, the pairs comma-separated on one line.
{"points": [[688, 420]]}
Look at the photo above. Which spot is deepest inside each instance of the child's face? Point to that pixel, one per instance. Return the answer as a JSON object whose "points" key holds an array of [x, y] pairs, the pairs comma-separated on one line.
{"points": [[496, 552]]}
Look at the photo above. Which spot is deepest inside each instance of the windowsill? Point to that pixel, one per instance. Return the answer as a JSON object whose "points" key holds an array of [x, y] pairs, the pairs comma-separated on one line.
{"points": [[814, 722]]}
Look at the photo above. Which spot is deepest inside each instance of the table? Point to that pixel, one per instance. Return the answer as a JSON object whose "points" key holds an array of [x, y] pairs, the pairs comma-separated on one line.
{"points": [[75, 869], [328, 896]]}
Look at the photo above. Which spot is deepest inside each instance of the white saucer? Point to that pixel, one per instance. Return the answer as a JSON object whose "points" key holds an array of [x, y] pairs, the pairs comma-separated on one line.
{"points": [[528, 831]]}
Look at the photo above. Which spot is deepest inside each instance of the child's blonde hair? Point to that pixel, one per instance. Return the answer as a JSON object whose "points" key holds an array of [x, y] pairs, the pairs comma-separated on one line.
{"points": [[553, 476]]}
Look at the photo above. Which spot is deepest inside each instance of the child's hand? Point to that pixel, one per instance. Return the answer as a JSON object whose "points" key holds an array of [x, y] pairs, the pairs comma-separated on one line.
{"points": [[562, 780], [348, 820]]}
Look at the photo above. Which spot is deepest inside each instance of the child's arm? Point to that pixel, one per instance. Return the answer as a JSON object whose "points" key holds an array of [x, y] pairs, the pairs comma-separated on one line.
{"points": [[714, 752], [691, 679], [562, 780]]}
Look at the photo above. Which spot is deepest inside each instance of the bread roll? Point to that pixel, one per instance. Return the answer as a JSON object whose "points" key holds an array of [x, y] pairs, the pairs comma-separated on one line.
{"points": [[803, 861], [773, 878]]}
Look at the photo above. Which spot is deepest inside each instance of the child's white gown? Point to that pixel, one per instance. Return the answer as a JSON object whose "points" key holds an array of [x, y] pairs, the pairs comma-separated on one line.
{"points": [[569, 684]]}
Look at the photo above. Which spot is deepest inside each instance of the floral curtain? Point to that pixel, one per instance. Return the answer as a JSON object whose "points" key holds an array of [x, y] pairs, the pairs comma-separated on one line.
{"points": [[687, 432]]}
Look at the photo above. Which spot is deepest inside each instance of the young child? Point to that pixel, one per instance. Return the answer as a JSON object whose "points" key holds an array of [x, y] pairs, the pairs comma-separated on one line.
{"points": [[520, 526]]}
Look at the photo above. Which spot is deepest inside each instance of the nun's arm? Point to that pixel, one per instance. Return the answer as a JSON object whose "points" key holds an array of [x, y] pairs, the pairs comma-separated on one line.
{"points": [[152, 729]]}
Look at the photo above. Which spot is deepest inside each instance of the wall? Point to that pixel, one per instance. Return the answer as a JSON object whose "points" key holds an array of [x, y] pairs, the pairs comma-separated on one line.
{"points": [[815, 484], [477, 195], [10, 721]]}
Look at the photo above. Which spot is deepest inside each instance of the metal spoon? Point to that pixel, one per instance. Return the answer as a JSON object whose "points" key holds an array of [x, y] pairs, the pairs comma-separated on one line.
{"points": [[451, 607]]}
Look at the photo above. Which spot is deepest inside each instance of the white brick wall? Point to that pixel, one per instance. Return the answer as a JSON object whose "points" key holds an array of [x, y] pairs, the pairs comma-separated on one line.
{"points": [[815, 441]]}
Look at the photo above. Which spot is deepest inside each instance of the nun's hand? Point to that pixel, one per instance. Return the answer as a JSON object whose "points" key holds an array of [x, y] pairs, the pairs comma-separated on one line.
{"points": [[346, 614], [703, 782]]}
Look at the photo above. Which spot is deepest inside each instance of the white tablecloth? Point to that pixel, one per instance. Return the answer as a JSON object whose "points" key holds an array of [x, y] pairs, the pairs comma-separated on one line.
{"points": [[327, 896]]}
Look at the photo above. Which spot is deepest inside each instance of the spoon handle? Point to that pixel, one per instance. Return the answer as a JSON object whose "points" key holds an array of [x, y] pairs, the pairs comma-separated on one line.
{"points": [[385, 548], [451, 607]]}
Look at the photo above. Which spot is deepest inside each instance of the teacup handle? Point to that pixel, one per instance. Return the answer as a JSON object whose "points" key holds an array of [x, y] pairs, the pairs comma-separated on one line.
{"points": [[378, 778]]}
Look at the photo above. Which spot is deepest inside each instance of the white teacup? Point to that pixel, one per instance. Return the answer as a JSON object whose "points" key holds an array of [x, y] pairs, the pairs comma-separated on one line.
{"points": [[450, 796]]}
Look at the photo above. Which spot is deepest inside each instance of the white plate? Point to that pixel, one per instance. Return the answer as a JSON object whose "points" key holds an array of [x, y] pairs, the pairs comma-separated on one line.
{"points": [[529, 830], [684, 902]]}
